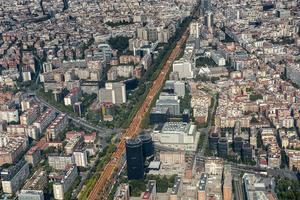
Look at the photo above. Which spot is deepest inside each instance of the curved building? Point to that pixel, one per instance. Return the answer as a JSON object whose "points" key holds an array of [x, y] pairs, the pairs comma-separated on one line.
{"points": [[135, 159], [147, 146]]}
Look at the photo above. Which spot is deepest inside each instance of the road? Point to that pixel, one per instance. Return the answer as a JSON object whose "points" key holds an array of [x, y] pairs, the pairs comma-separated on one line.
{"points": [[200, 153], [84, 176], [207, 130], [271, 172], [254, 169], [113, 167], [110, 171], [104, 131], [238, 193]]}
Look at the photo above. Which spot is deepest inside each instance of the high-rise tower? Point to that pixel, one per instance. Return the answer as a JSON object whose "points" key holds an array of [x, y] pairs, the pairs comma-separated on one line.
{"points": [[66, 4], [135, 159]]}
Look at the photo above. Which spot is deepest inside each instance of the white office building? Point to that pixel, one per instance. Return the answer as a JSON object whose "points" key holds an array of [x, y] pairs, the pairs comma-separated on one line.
{"points": [[172, 104], [177, 135], [179, 88], [184, 68]]}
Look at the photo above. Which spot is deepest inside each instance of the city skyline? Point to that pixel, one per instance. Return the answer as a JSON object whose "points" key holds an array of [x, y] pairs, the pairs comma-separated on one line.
{"points": [[150, 99]]}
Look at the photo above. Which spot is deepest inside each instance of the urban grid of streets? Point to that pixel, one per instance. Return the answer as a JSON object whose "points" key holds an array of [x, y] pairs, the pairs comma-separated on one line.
{"points": [[188, 99]]}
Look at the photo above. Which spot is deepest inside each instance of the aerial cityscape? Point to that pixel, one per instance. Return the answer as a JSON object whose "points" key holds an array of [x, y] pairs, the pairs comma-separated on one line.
{"points": [[150, 99]]}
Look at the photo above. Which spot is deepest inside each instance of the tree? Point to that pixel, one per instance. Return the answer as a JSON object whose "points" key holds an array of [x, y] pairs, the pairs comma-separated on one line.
{"points": [[202, 78], [253, 120], [120, 42], [137, 187], [162, 184], [254, 97], [287, 189], [120, 23], [93, 116]]}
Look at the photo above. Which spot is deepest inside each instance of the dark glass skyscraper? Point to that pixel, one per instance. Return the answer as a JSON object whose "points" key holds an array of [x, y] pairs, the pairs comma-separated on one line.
{"points": [[147, 146], [237, 144], [246, 152], [135, 159], [213, 141], [66, 4], [205, 5], [223, 147]]}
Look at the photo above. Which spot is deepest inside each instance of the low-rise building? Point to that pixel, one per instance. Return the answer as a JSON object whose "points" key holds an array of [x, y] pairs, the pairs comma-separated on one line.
{"points": [[171, 157], [172, 104], [200, 114], [113, 93], [80, 158], [177, 135], [60, 162]]}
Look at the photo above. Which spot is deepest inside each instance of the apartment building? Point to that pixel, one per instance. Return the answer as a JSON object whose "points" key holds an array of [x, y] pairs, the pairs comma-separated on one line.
{"points": [[72, 97], [9, 115], [60, 162], [57, 126], [11, 147], [63, 181], [80, 157], [13, 177], [29, 130], [34, 187], [30, 115], [33, 156], [44, 120]]}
